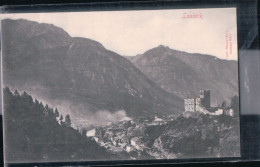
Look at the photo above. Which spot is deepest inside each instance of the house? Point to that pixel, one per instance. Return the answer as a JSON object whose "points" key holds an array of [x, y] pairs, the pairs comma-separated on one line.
{"points": [[122, 144], [124, 140], [108, 134], [230, 112], [219, 111], [136, 142], [156, 119], [91, 133], [115, 130], [212, 110], [96, 139], [128, 148], [189, 104], [114, 143]]}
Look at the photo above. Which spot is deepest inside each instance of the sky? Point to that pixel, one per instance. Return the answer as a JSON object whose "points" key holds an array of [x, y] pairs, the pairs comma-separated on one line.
{"points": [[129, 33]]}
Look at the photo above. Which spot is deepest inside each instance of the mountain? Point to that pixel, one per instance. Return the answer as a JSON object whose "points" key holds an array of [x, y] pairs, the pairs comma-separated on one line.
{"points": [[78, 75], [184, 74]]}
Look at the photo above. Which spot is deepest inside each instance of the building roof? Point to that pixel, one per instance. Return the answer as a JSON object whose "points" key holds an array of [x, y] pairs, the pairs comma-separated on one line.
{"points": [[212, 109], [135, 139]]}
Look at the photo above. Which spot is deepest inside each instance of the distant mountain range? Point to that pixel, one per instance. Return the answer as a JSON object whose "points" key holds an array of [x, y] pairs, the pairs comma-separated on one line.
{"points": [[184, 74], [78, 74]]}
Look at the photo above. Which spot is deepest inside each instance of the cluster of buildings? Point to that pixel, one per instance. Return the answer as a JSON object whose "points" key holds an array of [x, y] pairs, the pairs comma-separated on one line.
{"points": [[130, 135], [125, 135], [122, 136], [202, 104]]}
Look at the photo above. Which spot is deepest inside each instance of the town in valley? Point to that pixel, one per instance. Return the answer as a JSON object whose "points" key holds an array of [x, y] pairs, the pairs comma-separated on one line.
{"points": [[130, 136]]}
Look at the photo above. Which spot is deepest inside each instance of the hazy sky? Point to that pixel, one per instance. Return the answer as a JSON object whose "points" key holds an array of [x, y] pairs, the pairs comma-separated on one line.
{"points": [[134, 32]]}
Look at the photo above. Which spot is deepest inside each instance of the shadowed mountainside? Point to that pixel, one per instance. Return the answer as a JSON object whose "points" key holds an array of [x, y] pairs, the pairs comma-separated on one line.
{"points": [[184, 74], [77, 73]]}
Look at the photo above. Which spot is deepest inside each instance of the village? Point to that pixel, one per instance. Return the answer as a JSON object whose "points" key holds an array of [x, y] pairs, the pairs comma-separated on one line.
{"points": [[126, 135], [129, 135]]}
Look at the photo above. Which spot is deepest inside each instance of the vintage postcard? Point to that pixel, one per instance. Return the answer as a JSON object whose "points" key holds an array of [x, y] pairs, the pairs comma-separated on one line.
{"points": [[120, 85]]}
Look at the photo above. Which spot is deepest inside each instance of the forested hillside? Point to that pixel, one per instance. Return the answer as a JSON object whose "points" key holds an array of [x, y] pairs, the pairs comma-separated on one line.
{"points": [[35, 132]]}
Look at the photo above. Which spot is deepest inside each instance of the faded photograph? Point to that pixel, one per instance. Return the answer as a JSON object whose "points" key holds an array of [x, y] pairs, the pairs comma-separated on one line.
{"points": [[120, 85]]}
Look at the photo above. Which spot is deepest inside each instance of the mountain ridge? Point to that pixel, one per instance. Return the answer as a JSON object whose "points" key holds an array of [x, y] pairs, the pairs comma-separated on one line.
{"points": [[186, 73], [166, 47]]}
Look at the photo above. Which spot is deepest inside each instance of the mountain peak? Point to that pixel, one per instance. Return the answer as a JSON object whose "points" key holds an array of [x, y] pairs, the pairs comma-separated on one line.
{"points": [[159, 50], [162, 47]]}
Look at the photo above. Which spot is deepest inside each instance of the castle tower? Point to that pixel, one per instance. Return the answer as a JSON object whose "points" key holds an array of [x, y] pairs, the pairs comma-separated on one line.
{"points": [[205, 98]]}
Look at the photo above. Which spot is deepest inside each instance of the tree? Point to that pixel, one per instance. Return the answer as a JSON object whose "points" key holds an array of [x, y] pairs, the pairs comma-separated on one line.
{"points": [[36, 102], [67, 121], [7, 91], [84, 132], [46, 109], [41, 105], [27, 98], [56, 113], [235, 104], [224, 105], [61, 119], [16, 93]]}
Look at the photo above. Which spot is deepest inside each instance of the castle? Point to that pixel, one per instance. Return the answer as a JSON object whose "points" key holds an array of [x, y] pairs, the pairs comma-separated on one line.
{"points": [[202, 104], [198, 104]]}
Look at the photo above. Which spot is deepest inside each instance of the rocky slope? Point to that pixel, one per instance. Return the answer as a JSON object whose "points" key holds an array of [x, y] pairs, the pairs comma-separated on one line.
{"points": [[203, 136]]}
